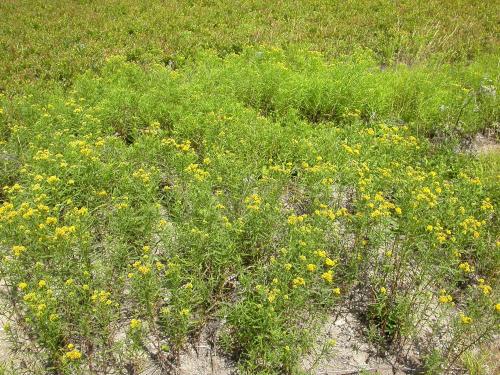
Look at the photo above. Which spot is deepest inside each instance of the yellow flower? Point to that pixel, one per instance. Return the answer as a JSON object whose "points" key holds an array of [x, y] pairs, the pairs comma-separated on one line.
{"points": [[497, 307], [465, 319], [485, 288], [253, 202], [42, 283], [102, 193], [336, 291], [441, 237], [64, 231], [298, 281], [486, 205], [445, 298], [294, 219], [144, 269], [52, 179], [29, 297], [271, 297], [83, 211], [142, 175], [327, 276], [320, 253], [465, 267], [311, 267], [18, 250], [135, 324], [330, 263], [22, 285], [51, 220], [383, 290], [73, 355]]}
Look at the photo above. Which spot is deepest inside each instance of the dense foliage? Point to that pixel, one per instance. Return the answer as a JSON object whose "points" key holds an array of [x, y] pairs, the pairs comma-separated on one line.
{"points": [[168, 165], [259, 189]]}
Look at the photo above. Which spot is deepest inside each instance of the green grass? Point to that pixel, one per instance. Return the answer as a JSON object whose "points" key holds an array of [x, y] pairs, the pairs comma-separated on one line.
{"points": [[55, 40], [200, 176]]}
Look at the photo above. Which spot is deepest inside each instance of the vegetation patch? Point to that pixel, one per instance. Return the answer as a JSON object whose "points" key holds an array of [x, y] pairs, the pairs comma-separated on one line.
{"points": [[249, 188], [264, 190]]}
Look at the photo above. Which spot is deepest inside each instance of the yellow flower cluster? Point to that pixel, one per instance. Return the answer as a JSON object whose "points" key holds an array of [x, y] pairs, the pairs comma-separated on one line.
{"points": [[465, 319], [352, 150], [42, 155], [141, 268], [380, 206], [253, 202], [271, 297], [135, 324], [285, 169], [198, 173], [72, 354], [426, 195], [466, 267], [444, 297], [142, 175], [441, 234], [101, 296], [298, 281], [330, 262], [184, 146], [296, 219], [64, 231], [397, 139], [17, 250], [311, 267], [326, 212], [471, 180], [320, 253], [487, 205], [327, 276], [485, 288], [472, 225]]}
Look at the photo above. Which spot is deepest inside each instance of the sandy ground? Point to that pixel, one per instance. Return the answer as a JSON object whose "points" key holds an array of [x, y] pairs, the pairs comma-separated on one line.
{"points": [[351, 354]]}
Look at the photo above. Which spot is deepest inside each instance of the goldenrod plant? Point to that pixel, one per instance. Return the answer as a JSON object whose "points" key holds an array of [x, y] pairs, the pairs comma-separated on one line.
{"points": [[266, 187]]}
